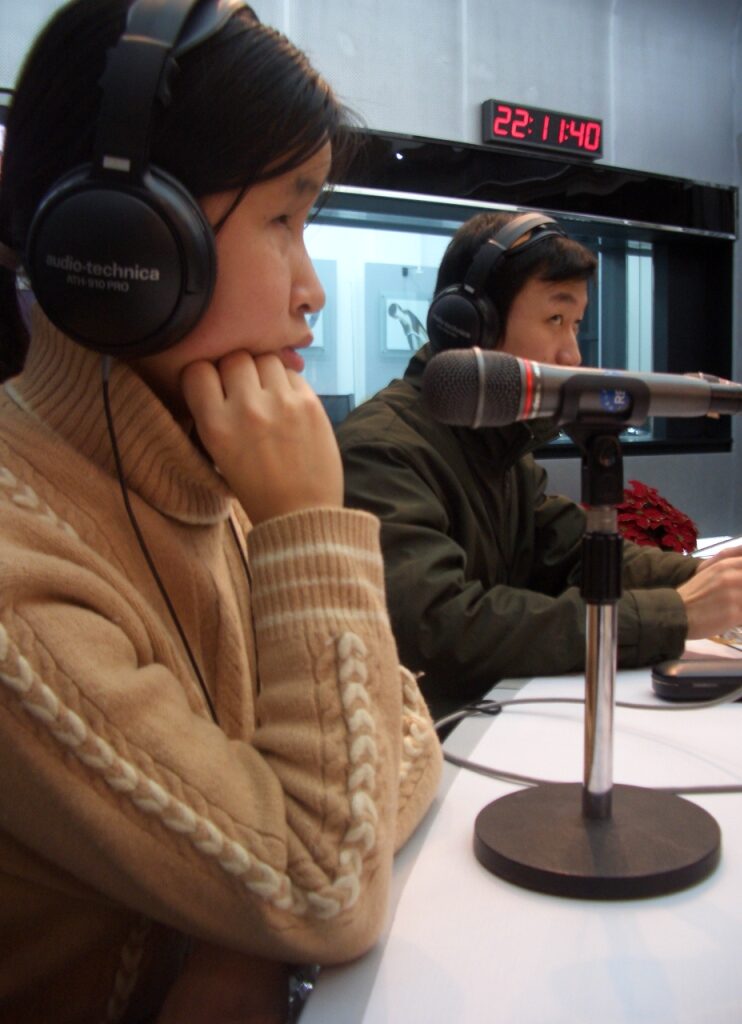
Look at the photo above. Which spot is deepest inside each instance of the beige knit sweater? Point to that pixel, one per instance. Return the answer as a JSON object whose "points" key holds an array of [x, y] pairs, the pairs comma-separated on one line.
{"points": [[127, 816]]}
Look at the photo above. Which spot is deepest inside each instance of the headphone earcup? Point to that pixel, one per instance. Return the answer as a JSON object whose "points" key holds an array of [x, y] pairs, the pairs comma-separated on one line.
{"points": [[457, 319], [126, 269], [464, 315]]}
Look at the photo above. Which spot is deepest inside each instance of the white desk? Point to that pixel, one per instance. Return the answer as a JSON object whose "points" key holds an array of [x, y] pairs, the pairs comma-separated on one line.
{"points": [[465, 946]]}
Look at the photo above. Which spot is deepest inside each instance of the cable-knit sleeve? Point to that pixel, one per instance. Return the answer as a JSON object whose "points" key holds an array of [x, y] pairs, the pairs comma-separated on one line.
{"points": [[422, 758], [324, 569], [279, 842]]}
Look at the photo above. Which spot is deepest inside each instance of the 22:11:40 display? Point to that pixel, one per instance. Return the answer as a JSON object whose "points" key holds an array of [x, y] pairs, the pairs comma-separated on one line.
{"points": [[517, 124]]}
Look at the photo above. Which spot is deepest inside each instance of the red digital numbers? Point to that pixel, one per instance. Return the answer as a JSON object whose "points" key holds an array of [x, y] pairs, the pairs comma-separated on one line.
{"points": [[579, 134], [577, 131], [520, 123], [511, 122], [593, 133], [546, 129], [503, 119]]}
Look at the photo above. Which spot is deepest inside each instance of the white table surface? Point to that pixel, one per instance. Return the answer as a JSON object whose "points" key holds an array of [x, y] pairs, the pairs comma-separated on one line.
{"points": [[462, 945]]}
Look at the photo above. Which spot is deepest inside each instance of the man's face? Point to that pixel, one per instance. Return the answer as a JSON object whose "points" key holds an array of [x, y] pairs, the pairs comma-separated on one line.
{"points": [[544, 320]]}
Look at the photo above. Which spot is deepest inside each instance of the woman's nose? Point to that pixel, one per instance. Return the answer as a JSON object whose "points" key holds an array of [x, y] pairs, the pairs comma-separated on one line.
{"points": [[308, 290]]}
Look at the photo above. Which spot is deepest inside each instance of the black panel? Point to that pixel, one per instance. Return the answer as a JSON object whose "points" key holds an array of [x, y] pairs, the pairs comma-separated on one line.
{"points": [[483, 174], [693, 320]]}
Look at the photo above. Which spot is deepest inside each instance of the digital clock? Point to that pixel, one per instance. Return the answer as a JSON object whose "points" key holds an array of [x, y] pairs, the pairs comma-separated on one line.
{"points": [[518, 124]]}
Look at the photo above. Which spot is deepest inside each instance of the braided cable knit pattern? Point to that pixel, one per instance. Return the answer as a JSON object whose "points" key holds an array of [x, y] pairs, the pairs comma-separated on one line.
{"points": [[234, 858], [334, 889], [25, 497], [127, 973], [417, 734]]}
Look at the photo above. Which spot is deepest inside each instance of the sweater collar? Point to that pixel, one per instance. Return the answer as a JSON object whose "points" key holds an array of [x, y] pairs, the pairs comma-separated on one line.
{"points": [[61, 386]]}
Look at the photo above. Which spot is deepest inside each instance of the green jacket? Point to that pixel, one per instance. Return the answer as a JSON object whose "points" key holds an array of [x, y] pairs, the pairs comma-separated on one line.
{"points": [[482, 566]]}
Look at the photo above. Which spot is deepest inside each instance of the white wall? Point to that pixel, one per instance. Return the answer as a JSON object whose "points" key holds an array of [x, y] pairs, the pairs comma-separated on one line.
{"points": [[663, 74]]}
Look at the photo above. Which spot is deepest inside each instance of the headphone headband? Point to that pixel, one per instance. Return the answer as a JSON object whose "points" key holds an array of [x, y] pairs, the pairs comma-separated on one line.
{"points": [[119, 253], [502, 244], [464, 315], [139, 70]]}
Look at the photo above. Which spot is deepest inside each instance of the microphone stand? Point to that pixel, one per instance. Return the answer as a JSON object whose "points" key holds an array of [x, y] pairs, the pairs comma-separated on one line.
{"points": [[602, 490], [598, 841]]}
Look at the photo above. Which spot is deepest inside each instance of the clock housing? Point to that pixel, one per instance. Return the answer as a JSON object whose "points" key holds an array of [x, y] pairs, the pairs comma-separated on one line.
{"points": [[520, 124]]}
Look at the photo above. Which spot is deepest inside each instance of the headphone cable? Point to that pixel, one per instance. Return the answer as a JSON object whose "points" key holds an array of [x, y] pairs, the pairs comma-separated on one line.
{"points": [[105, 373]]}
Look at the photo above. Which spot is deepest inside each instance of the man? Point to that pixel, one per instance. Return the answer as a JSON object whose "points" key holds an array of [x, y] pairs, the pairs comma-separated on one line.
{"points": [[482, 566]]}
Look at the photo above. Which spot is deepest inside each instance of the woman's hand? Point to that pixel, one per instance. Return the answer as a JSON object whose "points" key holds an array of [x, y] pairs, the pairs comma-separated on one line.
{"points": [[267, 433]]}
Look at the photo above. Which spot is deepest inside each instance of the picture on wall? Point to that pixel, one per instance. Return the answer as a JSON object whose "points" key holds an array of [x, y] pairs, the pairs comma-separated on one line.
{"points": [[403, 323], [396, 300]]}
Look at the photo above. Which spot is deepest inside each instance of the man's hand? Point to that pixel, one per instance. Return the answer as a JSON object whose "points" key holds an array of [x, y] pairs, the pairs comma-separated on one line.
{"points": [[713, 596]]}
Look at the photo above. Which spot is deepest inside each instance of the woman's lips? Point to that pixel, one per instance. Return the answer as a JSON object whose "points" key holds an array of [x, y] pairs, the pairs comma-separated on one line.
{"points": [[292, 360]]}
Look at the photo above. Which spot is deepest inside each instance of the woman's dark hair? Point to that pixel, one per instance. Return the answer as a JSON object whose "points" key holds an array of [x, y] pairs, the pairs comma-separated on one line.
{"points": [[246, 106], [556, 258]]}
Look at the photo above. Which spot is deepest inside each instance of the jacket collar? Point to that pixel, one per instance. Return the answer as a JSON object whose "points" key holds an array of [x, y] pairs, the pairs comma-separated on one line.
{"points": [[516, 438]]}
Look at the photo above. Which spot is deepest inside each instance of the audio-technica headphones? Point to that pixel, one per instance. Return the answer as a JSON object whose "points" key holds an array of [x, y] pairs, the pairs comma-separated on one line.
{"points": [[464, 315], [119, 254]]}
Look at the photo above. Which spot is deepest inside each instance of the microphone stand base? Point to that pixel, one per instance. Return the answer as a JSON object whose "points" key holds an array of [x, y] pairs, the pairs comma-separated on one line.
{"points": [[653, 843]]}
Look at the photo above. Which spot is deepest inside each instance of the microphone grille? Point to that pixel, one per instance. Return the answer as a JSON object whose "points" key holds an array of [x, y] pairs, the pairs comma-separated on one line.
{"points": [[455, 394]]}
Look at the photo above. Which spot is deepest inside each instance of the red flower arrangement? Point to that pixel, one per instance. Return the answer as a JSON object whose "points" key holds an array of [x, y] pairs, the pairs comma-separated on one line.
{"points": [[645, 517]]}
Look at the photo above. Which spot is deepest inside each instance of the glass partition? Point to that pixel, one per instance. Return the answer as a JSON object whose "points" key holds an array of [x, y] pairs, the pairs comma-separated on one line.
{"points": [[377, 254]]}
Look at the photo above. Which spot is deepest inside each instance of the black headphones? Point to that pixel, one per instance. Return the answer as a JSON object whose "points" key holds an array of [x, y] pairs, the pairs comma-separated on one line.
{"points": [[119, 254], [464, 315]]}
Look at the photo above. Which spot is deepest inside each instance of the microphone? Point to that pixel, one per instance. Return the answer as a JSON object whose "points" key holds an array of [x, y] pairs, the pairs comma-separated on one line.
{"points": [[475, 388]]}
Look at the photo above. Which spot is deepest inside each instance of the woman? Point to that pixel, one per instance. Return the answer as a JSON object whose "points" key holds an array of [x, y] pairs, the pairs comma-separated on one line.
{"points": [[209, 750]]}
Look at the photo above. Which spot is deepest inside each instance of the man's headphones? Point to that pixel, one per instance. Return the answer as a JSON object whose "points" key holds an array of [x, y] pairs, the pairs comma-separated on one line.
{"points": [[119, 254], [464, 315]]}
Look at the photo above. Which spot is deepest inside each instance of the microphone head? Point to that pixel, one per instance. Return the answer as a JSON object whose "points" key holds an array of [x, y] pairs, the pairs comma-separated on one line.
{"points": [[463, 389]]}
